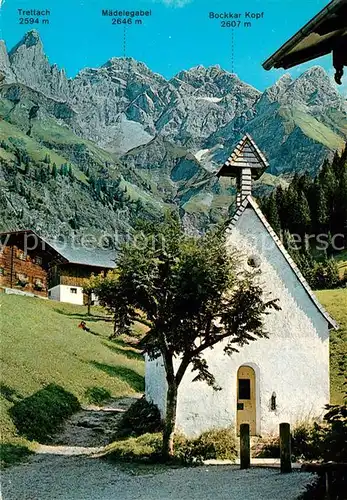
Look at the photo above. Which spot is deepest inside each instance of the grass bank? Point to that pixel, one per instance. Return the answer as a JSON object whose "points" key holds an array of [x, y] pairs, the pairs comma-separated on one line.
{"points": [[41, 344], [335, 302]]}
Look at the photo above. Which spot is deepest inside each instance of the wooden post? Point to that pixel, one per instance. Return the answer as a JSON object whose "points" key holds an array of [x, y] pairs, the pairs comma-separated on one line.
{"points": [[245, 450], [285, 448]]}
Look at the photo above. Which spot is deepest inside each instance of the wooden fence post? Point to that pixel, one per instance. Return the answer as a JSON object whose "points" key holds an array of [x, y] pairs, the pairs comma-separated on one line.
{"points": [[285, 448], [245, 450]]}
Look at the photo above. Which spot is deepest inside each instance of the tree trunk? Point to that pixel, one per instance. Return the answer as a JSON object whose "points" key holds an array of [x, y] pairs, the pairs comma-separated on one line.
{"points": [[170, 420], [89, 303]]}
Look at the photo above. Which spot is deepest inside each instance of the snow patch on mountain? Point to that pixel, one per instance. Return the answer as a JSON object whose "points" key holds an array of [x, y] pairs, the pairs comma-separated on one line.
{"points": [[199, 154], [209, 99]]}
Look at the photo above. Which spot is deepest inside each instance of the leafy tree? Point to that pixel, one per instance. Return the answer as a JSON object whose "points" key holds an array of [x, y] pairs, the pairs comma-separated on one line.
{"points": [[193, 296], [326, 274], [89, 288]]}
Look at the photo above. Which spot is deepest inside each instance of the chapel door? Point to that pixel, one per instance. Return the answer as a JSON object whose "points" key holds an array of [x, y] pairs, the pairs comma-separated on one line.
{"points": [[246, 400]]}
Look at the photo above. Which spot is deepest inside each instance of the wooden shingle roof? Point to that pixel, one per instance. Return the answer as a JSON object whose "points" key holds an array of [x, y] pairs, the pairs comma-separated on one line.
{"points": [[245, 155]]}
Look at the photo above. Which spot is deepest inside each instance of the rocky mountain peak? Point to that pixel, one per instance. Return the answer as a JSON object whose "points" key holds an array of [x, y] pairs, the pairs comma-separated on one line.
{"points": [[212, 81], [30, 39], [30, 66], [276, 91], [316, 72], [5, 66], [315, 88]]}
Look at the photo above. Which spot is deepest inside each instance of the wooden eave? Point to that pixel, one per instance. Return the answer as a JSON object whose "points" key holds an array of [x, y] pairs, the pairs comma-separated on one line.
{"points": [[318, 37]]}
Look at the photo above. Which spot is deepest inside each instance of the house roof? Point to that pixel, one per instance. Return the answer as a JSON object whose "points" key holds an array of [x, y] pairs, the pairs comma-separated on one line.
{"points": [[249, 201], [245, 155], [320, 36], [95, 257]]}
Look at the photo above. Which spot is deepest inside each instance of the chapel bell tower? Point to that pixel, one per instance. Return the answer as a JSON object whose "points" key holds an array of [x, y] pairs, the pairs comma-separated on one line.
{"points": [[246, 163]]}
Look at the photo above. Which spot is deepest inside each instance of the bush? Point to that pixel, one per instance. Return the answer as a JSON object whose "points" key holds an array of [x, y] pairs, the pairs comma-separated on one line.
{"points": [[267, 447], [13, 453], [41, 414], [97, 395], [135, 448], [218, 444], [142, 417], [334, 448], [307, 443], [335, 443]]}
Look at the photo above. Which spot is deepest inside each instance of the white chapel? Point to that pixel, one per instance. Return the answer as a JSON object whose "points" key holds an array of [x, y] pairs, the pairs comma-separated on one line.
{"points": [[284, 378]]}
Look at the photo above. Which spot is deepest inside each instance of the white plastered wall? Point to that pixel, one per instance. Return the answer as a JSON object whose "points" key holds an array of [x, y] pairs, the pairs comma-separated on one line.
{"points": [[293, 362], [63, 293]]}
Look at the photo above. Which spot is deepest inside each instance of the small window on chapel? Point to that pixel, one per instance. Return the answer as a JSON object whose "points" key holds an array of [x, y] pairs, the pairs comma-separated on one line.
{"points": [[38, 260], [253, 261], [73, 290], [244, 388]]}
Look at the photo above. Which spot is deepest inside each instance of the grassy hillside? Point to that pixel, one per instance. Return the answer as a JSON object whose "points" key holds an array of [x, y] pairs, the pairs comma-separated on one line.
{"points": [[341, 260], [42, 344], [335, 301]]}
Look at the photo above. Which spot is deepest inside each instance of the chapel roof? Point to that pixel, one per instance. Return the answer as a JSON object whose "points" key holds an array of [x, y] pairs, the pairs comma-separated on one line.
{"points": [[250, 202]]}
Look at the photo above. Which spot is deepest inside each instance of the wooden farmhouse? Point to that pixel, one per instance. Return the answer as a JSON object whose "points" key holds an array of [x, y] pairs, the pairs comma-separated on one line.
{"points": [[32, 265], [283, 378]]}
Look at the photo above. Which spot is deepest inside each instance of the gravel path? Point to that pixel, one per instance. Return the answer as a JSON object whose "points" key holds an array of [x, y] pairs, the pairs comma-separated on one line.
{"points": [[52, 477], [67, 470], [93, 426]]}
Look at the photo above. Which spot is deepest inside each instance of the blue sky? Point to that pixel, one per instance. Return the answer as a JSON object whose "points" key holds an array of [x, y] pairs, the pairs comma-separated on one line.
{"points": [[179, 34]]}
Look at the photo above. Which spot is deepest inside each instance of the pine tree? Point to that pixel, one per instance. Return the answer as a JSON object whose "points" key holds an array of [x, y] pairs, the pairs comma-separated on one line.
{"points": [[70, 172], [303, 214], [47, 158], [63, 169], [328, 182], [272, 213], [321, 209], [26, 167], [340, 221], [291, 207], [54, 171], [280, 202], [43, 175]]}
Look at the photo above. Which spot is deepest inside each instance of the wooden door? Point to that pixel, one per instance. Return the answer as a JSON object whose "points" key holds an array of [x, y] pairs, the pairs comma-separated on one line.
{"points": [[246, 398]]}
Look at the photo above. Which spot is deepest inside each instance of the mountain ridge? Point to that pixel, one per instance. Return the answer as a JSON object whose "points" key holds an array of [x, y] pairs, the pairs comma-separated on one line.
{"points": [[131, 133]]}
